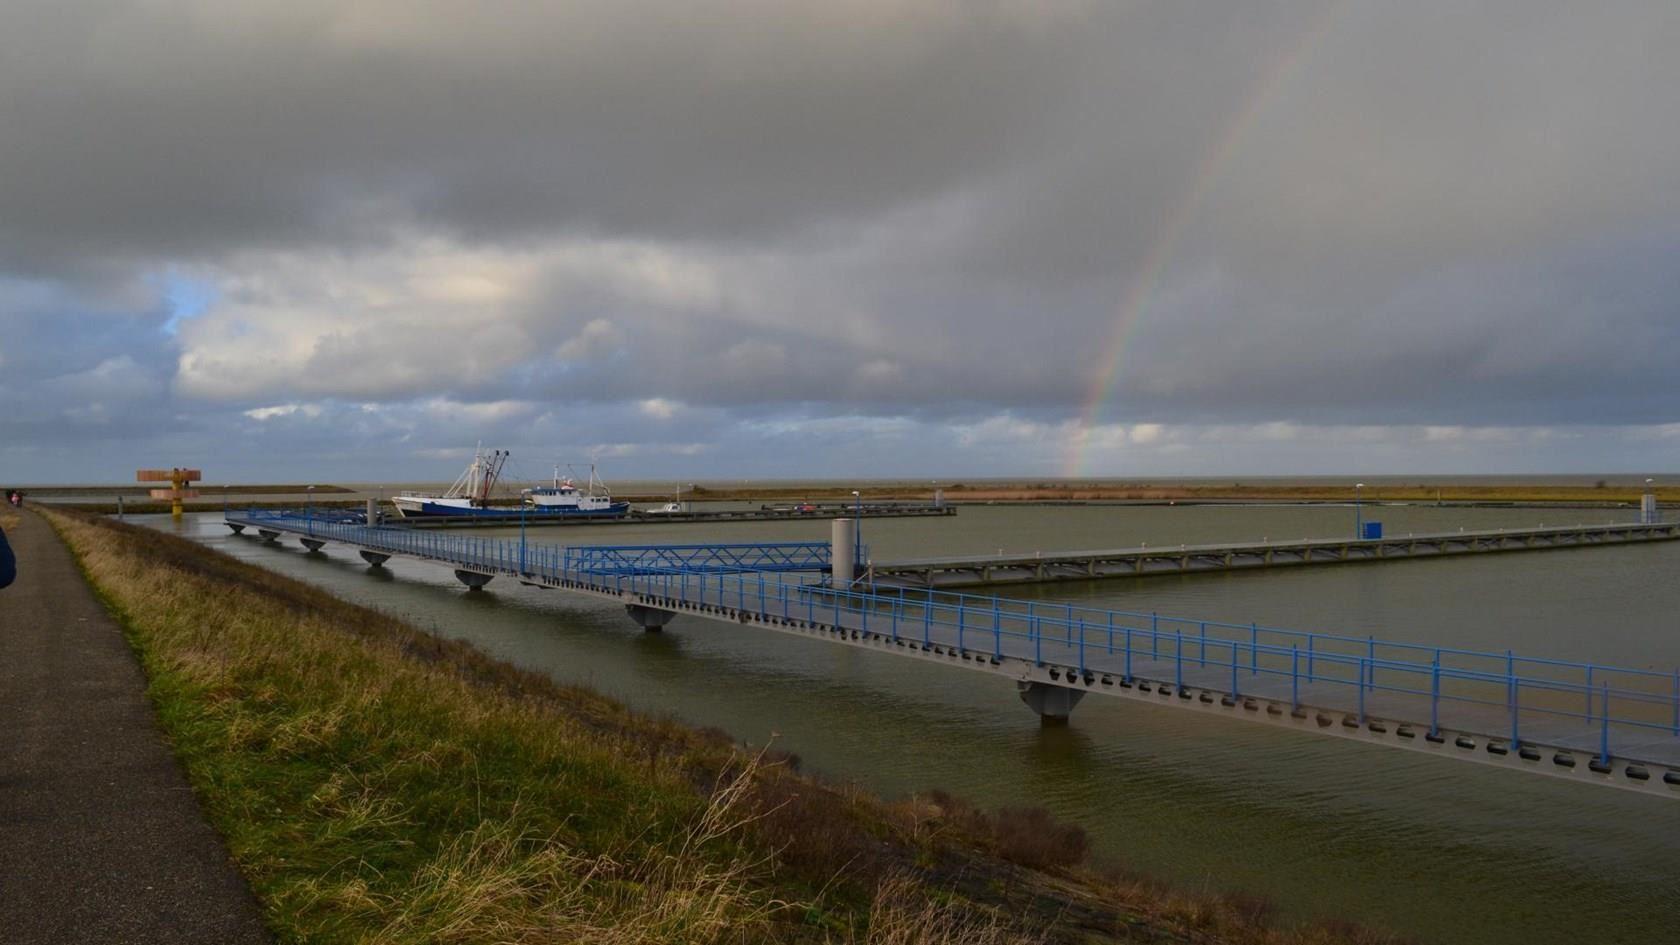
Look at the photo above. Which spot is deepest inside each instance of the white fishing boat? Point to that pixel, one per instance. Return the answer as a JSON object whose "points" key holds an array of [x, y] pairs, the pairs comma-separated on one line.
{"points": [[470, 495], [564, 497]]}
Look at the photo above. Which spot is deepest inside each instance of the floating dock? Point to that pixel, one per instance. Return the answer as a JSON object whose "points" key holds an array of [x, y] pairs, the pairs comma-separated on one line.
{"points": [[1143, 561], [1587, 722]]}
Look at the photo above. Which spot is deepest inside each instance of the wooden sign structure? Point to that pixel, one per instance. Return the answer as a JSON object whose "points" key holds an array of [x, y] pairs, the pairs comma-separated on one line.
{"points": [[178, 480]]}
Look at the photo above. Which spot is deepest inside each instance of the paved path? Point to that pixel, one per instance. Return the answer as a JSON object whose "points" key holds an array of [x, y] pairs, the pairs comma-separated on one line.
{"points": [[101, 838]]}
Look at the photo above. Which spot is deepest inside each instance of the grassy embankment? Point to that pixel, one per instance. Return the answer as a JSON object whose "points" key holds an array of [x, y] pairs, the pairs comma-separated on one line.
{"points": [[376, 783], [137, 499]]}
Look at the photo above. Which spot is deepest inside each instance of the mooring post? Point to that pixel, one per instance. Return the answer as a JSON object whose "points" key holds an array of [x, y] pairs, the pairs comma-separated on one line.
{"points": [[842, 551]]}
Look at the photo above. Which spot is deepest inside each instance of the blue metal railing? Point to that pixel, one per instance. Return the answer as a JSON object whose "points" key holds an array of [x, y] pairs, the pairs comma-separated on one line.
{"points": [[1239, 659], [653, 559]]}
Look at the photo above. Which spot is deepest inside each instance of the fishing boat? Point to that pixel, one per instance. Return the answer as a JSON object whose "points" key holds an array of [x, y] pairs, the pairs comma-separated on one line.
{"points": [[563, 497], [470, 495]]}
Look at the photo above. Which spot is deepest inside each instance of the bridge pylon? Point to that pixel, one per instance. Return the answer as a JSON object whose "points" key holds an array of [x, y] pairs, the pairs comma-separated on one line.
{"points": [[1052, 703]]}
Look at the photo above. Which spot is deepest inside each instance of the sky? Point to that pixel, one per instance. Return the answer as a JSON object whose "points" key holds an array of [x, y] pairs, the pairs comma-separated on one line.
{"points": [[312, 240]]}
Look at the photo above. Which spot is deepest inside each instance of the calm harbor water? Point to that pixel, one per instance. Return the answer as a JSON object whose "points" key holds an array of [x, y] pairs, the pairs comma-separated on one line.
{"points": [[1445, 851]]}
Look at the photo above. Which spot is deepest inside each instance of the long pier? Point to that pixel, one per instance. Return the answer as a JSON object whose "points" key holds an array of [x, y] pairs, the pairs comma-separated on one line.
{"points": [[765, 513], [1143, 561], [1586, 722]]}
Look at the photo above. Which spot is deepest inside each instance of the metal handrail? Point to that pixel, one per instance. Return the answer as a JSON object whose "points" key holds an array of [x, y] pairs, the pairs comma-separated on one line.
{"points": [[1612, 697]]}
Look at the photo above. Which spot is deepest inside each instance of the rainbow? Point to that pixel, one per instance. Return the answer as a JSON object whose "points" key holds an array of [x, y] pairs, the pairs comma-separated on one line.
{"points": [[1208, 173]]}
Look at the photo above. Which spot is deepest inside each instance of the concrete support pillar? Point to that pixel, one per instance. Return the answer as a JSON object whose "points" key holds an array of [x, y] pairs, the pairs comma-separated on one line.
{"points": [[313, 544], [1648, 509], [375, 558], [474, 580], [651, 619], [842, 551], [1052, 703], [238, 529], [268, 534], [372, 514]]}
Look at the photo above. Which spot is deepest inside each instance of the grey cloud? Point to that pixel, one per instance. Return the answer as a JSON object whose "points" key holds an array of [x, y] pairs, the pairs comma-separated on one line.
{"points": [[1334, 213]]}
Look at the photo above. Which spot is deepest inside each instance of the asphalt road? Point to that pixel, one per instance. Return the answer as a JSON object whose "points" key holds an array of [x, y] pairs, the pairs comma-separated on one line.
{"points": [[101, 838]]}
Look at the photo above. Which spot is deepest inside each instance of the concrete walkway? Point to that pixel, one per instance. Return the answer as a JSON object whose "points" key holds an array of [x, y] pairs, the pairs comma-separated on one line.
{"points": [[101, 838]]}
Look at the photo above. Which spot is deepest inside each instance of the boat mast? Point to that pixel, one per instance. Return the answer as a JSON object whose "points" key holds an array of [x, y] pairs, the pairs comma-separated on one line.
{"points": [[492, 468]]}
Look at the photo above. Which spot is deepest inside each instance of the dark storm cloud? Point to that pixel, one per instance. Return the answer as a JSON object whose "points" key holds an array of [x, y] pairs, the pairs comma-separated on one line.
{"points": [[1336, 213], [142, 129]]}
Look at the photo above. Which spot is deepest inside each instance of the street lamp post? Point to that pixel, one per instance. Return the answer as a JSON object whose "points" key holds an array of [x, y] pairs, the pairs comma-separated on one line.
{"points": [[524, 503], [311, 491], [857, 526], [1358, 511]]}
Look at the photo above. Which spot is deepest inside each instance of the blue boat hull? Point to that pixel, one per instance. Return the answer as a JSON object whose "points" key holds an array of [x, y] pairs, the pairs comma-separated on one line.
{"points": [[615, 510]]}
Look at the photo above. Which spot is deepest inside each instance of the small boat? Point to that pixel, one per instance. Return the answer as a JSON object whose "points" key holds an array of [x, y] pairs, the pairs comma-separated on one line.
{"points": [[469, 495], [669, 508], [564, 498]]}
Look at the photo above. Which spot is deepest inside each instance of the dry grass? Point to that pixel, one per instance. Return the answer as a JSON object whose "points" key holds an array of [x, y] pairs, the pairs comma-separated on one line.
{"points": [[378, 784]]}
